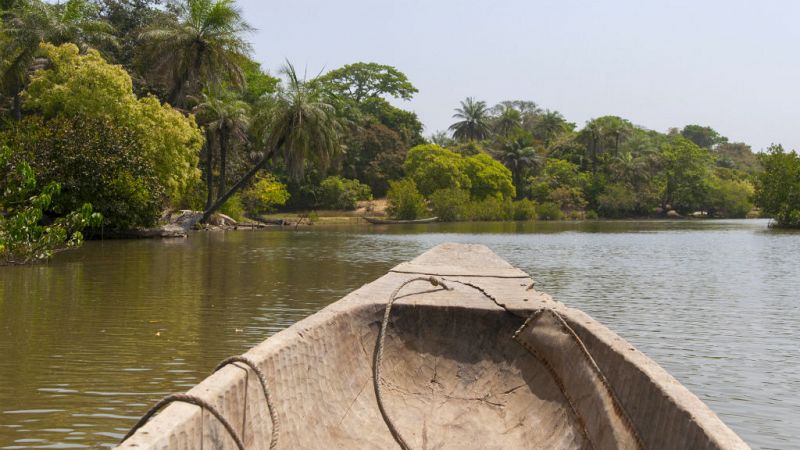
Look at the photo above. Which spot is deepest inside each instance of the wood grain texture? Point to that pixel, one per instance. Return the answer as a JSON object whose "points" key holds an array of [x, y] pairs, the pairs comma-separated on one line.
{"points": [[453, 375]]}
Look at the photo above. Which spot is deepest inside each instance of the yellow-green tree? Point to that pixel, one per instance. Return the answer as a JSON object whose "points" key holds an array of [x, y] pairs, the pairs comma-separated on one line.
{"points": [[86, 85]]}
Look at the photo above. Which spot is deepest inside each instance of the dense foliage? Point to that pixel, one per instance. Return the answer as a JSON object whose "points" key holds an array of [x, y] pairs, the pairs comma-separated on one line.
{"points": [[141, 105], [94, 161], [24, 238], [778, 187]]}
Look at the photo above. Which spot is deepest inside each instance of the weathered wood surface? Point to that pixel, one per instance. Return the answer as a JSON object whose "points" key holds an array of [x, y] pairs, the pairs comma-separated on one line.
{"points": [[454, 376]]}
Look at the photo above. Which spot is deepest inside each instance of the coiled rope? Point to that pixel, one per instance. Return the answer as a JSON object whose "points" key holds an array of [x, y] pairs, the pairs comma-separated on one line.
{"points": [[197, 401], [376, 366]]}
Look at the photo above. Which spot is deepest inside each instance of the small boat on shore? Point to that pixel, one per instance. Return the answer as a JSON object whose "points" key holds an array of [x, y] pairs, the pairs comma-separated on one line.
{"points": [[454, 349], [378, 221]]}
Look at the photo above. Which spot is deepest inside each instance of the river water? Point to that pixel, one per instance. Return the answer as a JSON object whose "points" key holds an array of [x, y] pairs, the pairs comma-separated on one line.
{"points": [[90, 340]]}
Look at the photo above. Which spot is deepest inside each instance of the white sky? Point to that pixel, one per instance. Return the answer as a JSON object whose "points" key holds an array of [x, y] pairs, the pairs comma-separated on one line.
{"points": [[733, 65]]}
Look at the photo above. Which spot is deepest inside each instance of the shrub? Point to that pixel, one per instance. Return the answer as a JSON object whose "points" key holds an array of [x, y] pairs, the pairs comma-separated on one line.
{"points": [[432, 168], [549, 211], [233, 207], [592, 215], [524, 210], [95, 161], [730, 198], [405, 201], [342, 193], [777, 190], [86, 86], [265, 195], [23, 238], [488, 177], [616, 200], [491, 209], [450, 204]]}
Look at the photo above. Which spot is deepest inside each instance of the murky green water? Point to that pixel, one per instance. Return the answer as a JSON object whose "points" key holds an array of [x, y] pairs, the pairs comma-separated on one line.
{"points": [[90, 340]]}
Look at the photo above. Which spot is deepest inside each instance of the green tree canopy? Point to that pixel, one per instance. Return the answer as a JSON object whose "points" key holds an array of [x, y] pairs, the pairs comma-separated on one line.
{"points": [[705, 137], [778, 186], [360, 81], [686, 173], [473, 123], [202, 43], [433, 168], [87, 86], [29, 23]]}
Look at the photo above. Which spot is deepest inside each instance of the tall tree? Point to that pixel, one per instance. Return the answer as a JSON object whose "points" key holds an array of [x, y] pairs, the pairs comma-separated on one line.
{"points": [[508, 120], [296, 124], [549, 125], [705, 137], [519, 156], [474, 121], [778, 186], [28, 23], [227, 119], [203, 44], [361, 81]]}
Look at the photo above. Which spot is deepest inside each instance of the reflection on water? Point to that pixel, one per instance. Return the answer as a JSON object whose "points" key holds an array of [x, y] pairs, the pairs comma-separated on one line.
{"points": [[90, 340]]}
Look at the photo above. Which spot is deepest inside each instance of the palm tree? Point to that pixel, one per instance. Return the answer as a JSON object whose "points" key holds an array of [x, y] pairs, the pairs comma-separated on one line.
{"points": [[474, 123], [591, 136], [508, 120], [226, 118], [204, 44], [519, 156], [295, 123], [28, 23], [549, 125]]}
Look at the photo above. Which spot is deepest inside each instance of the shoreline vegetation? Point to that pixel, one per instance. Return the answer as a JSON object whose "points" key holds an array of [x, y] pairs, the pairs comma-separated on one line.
{"points": [[118, 111]]}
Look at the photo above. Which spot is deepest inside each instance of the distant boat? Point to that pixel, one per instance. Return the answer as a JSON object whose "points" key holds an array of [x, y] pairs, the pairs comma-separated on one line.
{"points": [[378, 221], [453, 350]]}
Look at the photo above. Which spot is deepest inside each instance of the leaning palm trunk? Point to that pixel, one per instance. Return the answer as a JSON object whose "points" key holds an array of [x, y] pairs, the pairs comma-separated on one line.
{"points": [[241, 183]]}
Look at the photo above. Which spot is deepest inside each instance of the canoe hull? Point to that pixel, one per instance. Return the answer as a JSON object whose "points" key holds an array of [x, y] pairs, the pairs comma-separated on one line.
{"points": [[377, 221], [453, 376]]}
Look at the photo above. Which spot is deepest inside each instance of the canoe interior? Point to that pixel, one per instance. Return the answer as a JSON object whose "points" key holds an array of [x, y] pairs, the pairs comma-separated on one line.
{"points": [[454, 376]]}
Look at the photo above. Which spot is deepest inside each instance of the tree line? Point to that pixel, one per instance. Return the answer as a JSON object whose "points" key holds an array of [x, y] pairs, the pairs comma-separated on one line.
{"points": [[136, 106]]}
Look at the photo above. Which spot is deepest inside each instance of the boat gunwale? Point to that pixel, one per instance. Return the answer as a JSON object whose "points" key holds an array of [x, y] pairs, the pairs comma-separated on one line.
{"points": [[372, 298]]}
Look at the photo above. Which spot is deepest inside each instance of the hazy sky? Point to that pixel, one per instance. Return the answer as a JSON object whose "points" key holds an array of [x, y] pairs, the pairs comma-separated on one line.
{"points": [[733, 65]]}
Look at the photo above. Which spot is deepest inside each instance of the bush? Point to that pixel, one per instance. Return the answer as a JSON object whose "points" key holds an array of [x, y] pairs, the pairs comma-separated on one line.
{"points": [[592, 215], [266, 194], [491, 209], [432, 168], [23, 238], [341, 193], [86, 86], [233, 207], [777, 190], [450, 204], [405, 201], [549, 211], [616, 200], [95, 161], [488, 177], [730, 198], [524, 210]]}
